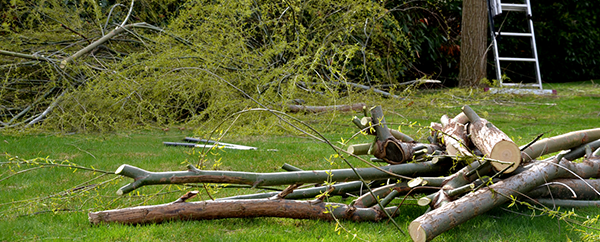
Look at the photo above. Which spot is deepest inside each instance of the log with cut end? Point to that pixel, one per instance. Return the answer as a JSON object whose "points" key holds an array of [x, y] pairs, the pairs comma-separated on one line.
{"points": [[560, 142], [251, 208], [492, 142], [430, 225], [454, 134], [193, 175]]}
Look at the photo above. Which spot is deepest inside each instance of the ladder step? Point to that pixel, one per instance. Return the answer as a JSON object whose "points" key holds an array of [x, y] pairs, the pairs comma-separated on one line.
{"points": [[514, 7], [514, 34], [520, 85], [516, 59]]}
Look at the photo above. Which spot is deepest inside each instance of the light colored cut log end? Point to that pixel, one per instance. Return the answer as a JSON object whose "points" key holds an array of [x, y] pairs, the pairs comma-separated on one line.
{"points": [[120, 169], [417, 233], [366, 121], [424, 201], [506, 151]]}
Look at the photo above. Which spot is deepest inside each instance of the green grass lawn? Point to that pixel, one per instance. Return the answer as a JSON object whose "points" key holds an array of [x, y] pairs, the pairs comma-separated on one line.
{"points": [[28, 213]]}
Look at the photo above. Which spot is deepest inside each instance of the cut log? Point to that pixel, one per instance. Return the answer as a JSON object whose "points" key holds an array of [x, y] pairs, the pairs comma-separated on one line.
{"points": [[388, 148], [432, 224], [560, 142], [360, 149], [193, 175], [454, 134], [586, 189], [492, 142], [238, 209]]}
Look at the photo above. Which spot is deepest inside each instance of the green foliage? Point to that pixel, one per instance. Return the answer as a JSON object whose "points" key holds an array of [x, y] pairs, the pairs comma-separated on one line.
{"points": [[566, 37]]}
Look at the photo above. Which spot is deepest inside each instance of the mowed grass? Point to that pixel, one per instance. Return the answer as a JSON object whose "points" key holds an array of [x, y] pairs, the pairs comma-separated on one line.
{"points": [[24, 216]]}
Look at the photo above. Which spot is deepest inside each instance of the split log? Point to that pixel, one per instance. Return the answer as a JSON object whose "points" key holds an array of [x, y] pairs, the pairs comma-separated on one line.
{"points": [[560, 142], [238, 209], [193, 175], [454, 134], [321, 109], [432, 224], [492, 142]]}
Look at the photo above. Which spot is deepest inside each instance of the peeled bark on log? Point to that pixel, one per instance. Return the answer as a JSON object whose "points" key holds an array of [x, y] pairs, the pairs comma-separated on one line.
{"points": [[193, 175], [321, 109], [432, 224], [492, 142], [238, 209], [568, 189], [560, 142], [456, 134]]}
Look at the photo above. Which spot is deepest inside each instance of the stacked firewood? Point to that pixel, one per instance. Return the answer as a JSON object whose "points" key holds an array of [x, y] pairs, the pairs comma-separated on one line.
{"points": [[468, 167]]}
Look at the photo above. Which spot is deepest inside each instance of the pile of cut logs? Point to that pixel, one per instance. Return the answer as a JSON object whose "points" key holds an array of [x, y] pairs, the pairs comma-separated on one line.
{"points": [[469, 167]]}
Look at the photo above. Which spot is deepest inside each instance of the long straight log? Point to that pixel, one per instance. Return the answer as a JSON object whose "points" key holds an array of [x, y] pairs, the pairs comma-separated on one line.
{"points": [[193, 175], [586, 189], [251, 208], [432, 224], [492, 142], [560, 142]]}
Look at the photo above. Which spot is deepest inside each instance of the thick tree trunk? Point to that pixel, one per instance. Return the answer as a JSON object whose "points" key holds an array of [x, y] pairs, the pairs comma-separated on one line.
{"points": [[492, 142], [238, 209], [473, 45]]}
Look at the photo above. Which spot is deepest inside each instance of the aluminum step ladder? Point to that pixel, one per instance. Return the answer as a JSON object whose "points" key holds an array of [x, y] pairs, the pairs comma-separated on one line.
{"points": [[497, 7]]}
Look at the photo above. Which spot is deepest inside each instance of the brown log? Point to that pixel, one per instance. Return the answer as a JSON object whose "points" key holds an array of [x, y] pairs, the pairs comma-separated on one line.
{"points": [[492, 142], [454, 134], [250, 208], [432, 224], [321, 109]]}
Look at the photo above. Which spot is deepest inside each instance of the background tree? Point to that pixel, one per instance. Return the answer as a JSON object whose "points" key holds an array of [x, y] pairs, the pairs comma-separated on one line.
{"points": [[473, 43]]}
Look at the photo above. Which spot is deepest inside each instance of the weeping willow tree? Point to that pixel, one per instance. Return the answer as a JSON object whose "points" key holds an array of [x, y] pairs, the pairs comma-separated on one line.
{"points": [[100, 65]]}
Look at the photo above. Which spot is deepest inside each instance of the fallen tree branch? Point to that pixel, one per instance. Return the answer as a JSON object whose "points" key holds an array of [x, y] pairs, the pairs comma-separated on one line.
{"points": [[238, 209], [193, 175], [321, 109]]}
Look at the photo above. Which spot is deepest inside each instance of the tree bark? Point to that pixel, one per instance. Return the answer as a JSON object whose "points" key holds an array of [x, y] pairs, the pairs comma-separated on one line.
{"points": [[456, 134], [492, 142], [560, 142], [251, 208], [568, 189], [193, 175], [473, 45], [428, 226]]}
